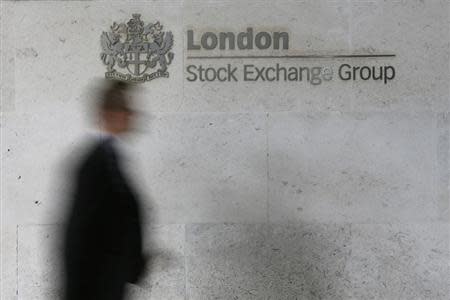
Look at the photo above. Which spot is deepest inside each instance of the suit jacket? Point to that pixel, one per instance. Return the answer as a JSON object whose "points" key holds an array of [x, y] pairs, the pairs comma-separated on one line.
{"points": [[103, 240]]}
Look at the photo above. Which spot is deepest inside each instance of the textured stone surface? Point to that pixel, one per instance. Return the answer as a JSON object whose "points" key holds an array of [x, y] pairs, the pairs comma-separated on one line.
{"points": [[400, 261], [38, 265], [443, 166], [318, 261], [7, 57], [8, 225], [207, 167], [226, 261], [309, 261], [359, 167], [414, 31], [34, 171], [254, 190], [267, 261]]}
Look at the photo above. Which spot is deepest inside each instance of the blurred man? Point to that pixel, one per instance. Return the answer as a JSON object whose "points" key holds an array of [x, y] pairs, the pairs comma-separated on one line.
{"points": [[103, 239]]}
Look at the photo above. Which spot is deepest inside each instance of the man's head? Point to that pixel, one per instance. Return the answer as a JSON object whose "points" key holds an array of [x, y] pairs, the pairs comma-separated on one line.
{"points": [[115, 108]]}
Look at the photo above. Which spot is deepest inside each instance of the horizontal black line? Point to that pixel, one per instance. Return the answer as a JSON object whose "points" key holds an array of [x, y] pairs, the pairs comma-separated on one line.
{"points": [[291, 56]]}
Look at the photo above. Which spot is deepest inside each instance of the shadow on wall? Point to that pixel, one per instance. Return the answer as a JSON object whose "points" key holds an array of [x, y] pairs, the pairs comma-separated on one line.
{"points": [[267, 261]]}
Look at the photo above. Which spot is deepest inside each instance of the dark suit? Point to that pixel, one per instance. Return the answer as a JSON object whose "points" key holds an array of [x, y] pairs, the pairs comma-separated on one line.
{"points": [[103, 239]]}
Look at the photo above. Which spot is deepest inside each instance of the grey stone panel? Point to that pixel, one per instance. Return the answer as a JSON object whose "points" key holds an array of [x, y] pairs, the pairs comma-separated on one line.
{"points": [[238, 261], [443, 166], [400, 261], [207, 167], [8, 225], [39, 271], [7, 57], [308, 261], [37, 165], [226, 261], [353, 167], [318, 261], [415, 32], [8, 245], [384, 161]]}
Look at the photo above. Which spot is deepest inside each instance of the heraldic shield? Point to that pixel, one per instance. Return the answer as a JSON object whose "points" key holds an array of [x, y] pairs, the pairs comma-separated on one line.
{"points": [[136, 48]]}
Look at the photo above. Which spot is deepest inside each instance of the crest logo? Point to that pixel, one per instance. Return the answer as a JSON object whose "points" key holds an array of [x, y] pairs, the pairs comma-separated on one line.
{"points": [[136, 48]]}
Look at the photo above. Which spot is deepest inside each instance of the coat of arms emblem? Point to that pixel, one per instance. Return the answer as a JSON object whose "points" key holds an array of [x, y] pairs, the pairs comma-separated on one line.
{"points": [[136, 48]]}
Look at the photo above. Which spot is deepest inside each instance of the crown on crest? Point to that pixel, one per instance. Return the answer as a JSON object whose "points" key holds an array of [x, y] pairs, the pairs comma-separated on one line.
{"points": [[135, 26]]}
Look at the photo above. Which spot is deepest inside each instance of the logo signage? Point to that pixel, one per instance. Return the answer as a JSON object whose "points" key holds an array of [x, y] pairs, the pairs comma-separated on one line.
{"points": [[130, 51], [247, 40], [139, 52], [280, 65]]}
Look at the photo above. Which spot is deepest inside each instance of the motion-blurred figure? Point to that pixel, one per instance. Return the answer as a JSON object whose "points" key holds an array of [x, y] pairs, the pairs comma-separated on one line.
{"points": [[103, 238]]}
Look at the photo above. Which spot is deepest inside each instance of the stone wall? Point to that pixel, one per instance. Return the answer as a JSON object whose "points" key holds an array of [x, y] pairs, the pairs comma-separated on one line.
{"points": [[254, 190]]}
